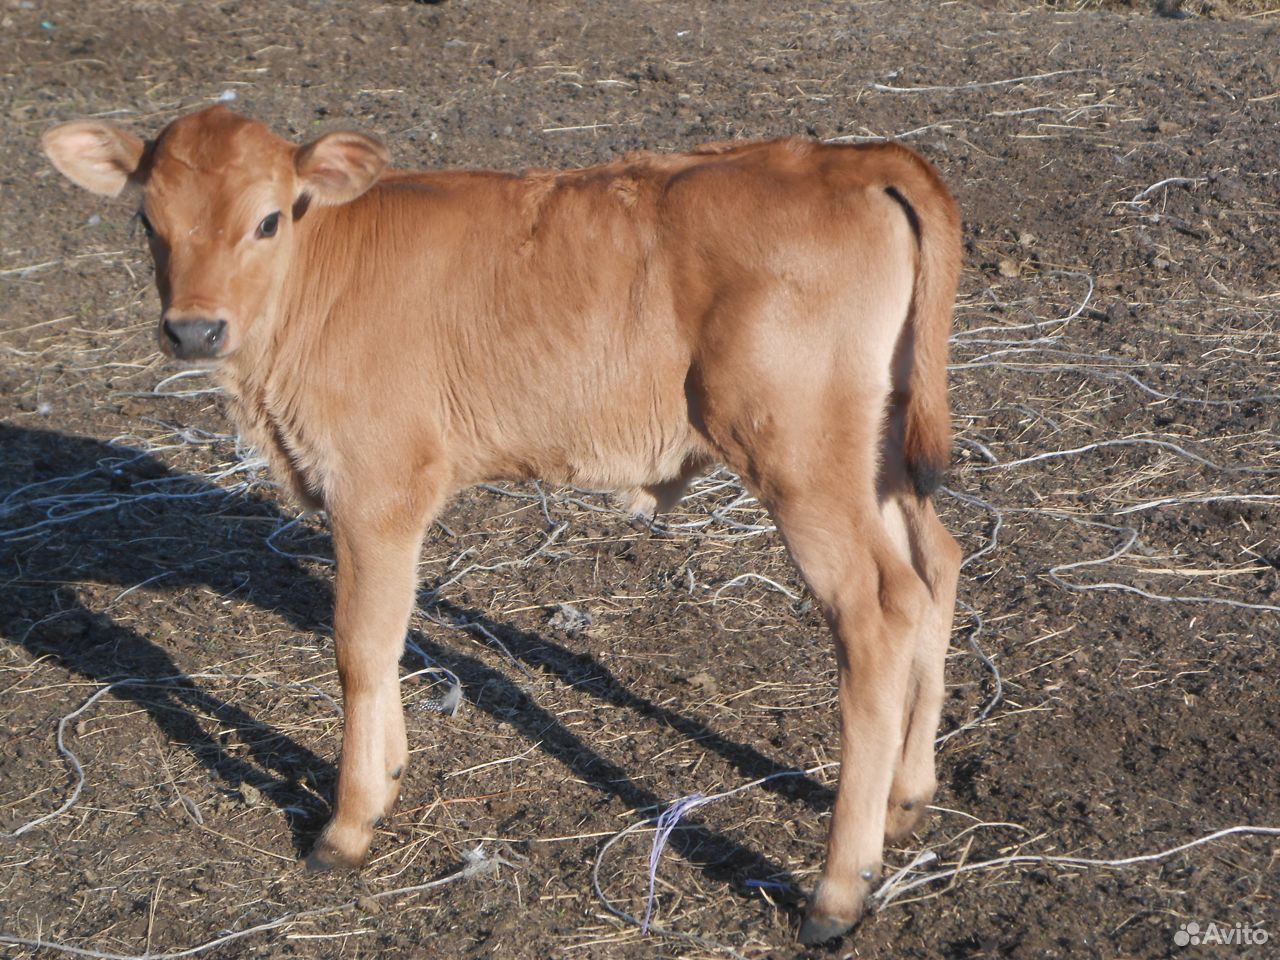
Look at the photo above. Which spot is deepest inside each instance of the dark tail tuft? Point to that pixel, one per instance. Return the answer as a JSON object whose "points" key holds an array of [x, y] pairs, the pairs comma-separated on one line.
{"points": [[935, 221], [927, 477]]}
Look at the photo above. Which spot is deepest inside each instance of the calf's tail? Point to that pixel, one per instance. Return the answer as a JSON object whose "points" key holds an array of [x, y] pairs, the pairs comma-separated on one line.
{"points": [[935, 221]]}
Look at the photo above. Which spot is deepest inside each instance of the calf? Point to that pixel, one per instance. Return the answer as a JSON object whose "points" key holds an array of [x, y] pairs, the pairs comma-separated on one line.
{"points": [[388, 337]]}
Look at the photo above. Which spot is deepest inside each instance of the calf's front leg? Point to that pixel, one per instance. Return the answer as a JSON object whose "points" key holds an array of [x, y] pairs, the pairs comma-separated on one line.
{"points": [[377, 556]]}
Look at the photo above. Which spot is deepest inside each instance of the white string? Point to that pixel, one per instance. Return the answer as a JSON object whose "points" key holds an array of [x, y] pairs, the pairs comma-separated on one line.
{"points": [[893, 888]]}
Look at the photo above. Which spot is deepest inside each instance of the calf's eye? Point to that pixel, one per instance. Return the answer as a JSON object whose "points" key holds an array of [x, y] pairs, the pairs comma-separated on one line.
{"points": [[269, 225]]}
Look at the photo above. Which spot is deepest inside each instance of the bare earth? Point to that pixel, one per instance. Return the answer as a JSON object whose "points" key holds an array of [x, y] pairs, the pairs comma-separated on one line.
{"points": [[1115, 381]]}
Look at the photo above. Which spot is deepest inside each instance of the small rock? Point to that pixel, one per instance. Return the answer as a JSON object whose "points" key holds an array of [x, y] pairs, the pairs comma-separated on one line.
{"points": [[569, 618], [703, 681], [1009, 268], [369, 905], [252, 795], [193, 809]]}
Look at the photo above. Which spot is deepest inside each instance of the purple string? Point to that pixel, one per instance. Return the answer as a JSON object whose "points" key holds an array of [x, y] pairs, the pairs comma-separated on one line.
{"points": [[667, 821]]}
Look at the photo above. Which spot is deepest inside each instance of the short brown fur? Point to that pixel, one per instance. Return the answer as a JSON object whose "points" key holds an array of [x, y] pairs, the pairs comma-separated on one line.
{"points": [[389, 337]]}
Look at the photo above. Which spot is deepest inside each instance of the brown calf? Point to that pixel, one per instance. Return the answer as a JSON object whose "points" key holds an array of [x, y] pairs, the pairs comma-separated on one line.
{"points": [[389, 337]]}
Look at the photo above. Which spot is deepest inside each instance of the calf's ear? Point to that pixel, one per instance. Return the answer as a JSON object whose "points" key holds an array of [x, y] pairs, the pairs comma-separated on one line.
{"points": [[339, 166], [94, 155]]}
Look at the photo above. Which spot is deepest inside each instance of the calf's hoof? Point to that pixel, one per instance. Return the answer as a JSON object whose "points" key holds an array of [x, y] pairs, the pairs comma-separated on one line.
{"points": [[325, 856], [817, 929], [836, 906], [905, 818]]}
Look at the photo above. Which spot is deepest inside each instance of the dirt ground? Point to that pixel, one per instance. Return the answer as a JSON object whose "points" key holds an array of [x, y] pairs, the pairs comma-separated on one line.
{"points": [[165, 616]]}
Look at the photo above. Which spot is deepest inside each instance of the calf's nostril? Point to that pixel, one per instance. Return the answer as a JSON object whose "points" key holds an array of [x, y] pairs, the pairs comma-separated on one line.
{"points": [[215, 334], [171, 333]]}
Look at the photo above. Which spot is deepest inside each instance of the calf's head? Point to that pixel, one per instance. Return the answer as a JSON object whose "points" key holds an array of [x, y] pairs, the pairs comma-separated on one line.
{"points": [[219, 196]]}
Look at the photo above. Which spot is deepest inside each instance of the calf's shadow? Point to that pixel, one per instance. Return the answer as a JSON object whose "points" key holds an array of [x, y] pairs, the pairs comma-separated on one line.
{"points": [[74, 509]]}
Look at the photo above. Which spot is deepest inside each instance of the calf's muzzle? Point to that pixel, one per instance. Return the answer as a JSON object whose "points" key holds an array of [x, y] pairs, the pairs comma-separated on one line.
{"points": [[194, 338]]}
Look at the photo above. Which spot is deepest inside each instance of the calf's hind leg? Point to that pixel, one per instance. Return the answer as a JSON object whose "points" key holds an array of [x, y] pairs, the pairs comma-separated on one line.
{"points": [[820, 488], [936, 557]]}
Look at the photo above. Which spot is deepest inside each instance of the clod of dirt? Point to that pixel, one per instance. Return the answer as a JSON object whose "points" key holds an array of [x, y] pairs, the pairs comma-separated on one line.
{"points": [[251, 794], [64, 630], [569, 618], [704, 682]]}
